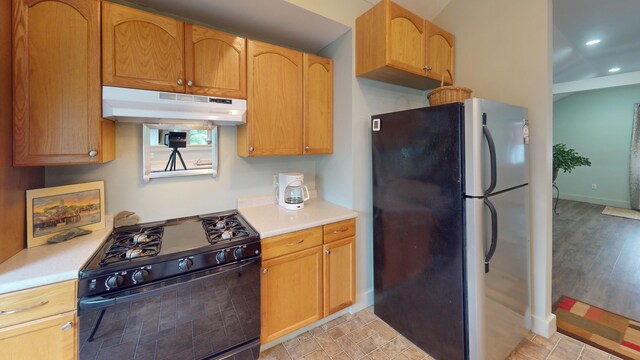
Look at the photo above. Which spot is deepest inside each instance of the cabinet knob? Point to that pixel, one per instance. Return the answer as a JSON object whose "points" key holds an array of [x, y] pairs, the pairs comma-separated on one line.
{"points": [[265, 270], [307, 148], [328, 252], [66, 326], [93, 153], [179, 81], [189, 83], [251, 149], [428, 68]]}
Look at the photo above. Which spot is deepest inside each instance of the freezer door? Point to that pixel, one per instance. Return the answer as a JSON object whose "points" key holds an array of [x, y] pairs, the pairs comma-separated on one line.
{"points": [[418, 227], [506, 126], [498, 301]]}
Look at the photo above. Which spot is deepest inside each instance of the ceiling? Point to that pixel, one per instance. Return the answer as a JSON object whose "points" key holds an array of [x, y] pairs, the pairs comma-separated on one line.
{"points": [[274, 21], [575, 22], [614, 22]]}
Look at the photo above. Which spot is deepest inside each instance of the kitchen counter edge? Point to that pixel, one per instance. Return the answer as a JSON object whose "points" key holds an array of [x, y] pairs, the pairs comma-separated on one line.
{"points": [[272, 219], [51, 263]]}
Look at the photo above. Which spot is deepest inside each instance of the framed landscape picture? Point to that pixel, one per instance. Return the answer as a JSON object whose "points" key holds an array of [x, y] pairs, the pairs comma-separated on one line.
{"points": [[56, 209]]}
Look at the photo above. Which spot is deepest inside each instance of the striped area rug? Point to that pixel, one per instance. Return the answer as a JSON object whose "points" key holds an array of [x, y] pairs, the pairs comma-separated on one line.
{"points": [[610, 332]]}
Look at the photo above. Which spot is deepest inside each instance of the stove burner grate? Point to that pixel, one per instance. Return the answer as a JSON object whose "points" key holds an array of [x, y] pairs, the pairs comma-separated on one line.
{"points": [[128, 245], [223, 228]]}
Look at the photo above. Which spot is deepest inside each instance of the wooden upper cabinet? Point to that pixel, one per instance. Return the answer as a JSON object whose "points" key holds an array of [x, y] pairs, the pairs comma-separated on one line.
{"points": [[396, 46], [56, 84], [142, 50], [318, 105], [215, 63], [406, 39], [274, 102], [439, 45]]}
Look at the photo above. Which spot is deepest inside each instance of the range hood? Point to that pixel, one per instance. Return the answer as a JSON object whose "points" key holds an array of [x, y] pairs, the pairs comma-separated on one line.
{"points": [[157, 107]]}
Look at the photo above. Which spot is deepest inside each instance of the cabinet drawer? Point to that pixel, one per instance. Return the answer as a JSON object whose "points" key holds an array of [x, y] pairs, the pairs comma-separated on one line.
{"points": [[339, 230], [291, 242], [26, 305]]}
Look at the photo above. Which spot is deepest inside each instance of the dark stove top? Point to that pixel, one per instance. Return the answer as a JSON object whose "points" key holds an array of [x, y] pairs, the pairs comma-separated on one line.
{"points": [[143, 243], [132, 243], [223, 228], [139, 254]]}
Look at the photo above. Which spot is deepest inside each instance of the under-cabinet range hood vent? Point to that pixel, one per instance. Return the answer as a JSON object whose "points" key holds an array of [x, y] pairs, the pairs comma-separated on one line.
{"points": [[157, 107]]}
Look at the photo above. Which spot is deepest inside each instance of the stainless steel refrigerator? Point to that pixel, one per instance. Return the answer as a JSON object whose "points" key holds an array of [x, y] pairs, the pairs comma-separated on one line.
{"points": [[451, 227]]}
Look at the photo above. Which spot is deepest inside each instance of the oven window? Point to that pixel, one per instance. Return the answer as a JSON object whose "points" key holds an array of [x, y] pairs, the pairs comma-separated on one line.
{"points": [[205, 317]]}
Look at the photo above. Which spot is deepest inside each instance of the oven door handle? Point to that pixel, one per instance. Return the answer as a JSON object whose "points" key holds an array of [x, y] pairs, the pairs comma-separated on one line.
{"points": [[100, 302]]}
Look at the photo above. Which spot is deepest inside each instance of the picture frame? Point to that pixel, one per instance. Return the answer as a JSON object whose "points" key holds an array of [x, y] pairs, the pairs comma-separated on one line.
{"points": [[53, 210]]}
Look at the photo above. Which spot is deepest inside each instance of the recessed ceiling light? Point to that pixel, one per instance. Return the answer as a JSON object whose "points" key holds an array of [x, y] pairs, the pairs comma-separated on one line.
{"points": [[592, 42], [615, 69]]}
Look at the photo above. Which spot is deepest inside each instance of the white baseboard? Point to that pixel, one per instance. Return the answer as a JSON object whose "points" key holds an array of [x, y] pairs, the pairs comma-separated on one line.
{"points": [[595, 200], [544, 327], [364, 300]]}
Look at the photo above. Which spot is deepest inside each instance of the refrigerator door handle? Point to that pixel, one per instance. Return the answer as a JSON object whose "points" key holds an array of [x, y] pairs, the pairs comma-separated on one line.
{"points": [[494, 234], [492, 154]]}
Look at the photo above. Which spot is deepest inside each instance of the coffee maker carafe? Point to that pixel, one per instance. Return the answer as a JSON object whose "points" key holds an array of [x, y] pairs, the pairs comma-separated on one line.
{"points": [[292, 193]]}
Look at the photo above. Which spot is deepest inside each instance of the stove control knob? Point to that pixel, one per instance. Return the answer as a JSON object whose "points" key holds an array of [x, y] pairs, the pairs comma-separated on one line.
{"points": [[114, 281], [140, 275], [238, 252], [185, 264], [220, 256]]}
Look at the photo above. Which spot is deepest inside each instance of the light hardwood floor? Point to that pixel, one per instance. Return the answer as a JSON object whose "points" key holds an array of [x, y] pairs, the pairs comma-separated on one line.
{"points": [[596, 258]]}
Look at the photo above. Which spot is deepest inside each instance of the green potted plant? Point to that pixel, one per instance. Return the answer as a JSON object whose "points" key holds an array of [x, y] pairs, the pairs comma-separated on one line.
{"points": [[566, 159]]}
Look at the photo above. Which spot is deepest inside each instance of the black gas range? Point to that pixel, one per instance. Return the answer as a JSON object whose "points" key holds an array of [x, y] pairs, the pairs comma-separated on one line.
{"points": [[185, 288]]}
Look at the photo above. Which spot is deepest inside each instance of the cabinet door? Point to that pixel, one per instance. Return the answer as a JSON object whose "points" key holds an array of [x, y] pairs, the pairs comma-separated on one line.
{"points": [[215, 63], [291, 292], [53, 338], [406, 40], [439, 52], [274, 99], [141, 50], [339, 275], [56, 82], [318, 105]]}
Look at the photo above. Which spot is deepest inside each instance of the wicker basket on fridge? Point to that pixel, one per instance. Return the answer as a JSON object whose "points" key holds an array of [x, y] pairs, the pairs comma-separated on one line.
{"points": [[448, 94]]}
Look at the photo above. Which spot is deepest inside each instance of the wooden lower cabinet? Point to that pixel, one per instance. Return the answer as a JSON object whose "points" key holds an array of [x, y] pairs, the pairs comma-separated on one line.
{"points": [[53, 337], [306, 275], [339, 275], [39, 323], [291, 292]]}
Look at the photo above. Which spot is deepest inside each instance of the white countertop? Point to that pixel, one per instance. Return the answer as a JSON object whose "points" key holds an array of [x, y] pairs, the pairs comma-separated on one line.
{"points": [[272, 219], [50, 263]]}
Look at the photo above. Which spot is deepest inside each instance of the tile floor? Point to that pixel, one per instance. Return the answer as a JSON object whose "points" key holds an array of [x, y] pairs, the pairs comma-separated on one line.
{"points": [[364, 336]]}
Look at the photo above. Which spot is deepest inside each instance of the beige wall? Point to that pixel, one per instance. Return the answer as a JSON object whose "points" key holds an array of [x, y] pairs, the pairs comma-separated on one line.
{"points": [[181, 196], [503, 53], [345, 177]]}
